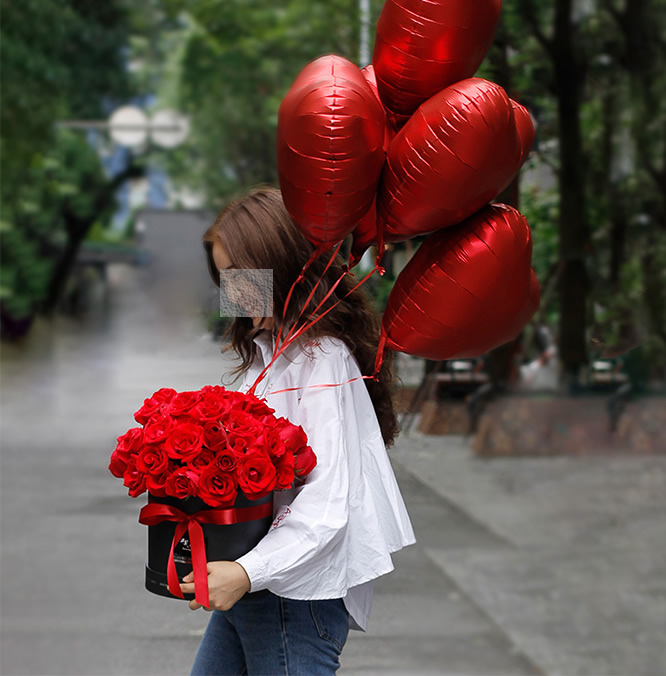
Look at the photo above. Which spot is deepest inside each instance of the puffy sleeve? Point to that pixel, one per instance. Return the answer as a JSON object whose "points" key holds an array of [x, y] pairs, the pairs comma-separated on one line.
{"points": [[304, 554]]}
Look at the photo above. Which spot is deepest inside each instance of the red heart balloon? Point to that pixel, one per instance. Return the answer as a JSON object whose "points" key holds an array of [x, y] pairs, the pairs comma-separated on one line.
{"points": [[365, 234], [458, 151], [423, 46], [525, 127], [467, 289], [371, 78], [330, 148]]}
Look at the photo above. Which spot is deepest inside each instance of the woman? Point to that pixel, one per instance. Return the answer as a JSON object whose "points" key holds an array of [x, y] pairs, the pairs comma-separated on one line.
{"points": [[310, 579]]}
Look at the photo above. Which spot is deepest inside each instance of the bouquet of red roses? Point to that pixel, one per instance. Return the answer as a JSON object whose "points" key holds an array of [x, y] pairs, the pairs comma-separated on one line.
{"points": [[210, 443], [210, 460]]}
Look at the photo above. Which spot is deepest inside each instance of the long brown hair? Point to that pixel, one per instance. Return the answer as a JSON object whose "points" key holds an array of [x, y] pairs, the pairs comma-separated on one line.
{"points": [[257, 232]]}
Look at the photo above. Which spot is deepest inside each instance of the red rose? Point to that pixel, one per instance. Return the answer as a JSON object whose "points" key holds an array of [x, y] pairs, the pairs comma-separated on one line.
{"points": [[214, 390], [239, 445], [256, 474], [293, 437], [226, 460], [255, 406], [205, 458], [183, 402], [157, 429], [130, 443], [217, 488], [184, 441], [270, 441], [182, 483], [214, 436], [237, 400], [152, 459], [134, 479], [305, 461], [150, 408], [164, 395], [118, 465], [212, 407], [285, 471], [155, 483], [268, 421], [242, 424]]}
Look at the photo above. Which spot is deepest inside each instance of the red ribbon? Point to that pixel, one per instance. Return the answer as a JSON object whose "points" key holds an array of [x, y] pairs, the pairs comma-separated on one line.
{"points": [[154, 513]]}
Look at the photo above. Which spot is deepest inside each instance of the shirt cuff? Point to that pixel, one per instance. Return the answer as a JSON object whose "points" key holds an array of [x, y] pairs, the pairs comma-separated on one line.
{"points": [[256, 570]]}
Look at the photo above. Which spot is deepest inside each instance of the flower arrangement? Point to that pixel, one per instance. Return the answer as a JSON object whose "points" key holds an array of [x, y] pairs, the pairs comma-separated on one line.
{"points": [[210, 443]]}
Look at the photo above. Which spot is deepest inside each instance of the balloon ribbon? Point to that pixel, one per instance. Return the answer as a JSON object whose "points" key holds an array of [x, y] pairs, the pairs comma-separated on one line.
{"points": [[154, 513]]}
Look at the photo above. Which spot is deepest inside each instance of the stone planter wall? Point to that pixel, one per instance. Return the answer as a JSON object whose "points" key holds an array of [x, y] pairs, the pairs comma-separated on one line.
{"points": [[527, 425]]}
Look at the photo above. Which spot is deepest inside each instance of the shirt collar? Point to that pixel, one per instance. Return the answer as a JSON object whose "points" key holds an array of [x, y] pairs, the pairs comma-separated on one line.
{"points": [[265, 340], [266, 343]]}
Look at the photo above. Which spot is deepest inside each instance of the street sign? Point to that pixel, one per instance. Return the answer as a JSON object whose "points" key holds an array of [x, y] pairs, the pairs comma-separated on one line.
{"points": [[128, 126], [168, 128]]}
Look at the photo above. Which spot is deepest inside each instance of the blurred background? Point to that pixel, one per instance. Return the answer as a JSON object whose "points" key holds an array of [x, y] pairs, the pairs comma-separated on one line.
{"points": [[126, 126]]}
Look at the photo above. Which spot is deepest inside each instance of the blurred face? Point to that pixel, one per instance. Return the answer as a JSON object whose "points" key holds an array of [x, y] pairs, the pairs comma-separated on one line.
{"points": [[235, 292]]}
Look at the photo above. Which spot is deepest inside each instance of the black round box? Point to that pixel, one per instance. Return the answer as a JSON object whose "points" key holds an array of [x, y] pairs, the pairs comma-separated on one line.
{"points": [[223, 543]]}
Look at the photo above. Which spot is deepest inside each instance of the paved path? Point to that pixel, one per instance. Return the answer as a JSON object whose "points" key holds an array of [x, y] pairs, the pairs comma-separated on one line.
{"points": [[521, 567], [580, 587]]}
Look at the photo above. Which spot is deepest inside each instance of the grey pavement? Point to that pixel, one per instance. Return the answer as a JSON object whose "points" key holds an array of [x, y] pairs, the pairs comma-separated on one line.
{"points": [[580, 585], [550, 566]]}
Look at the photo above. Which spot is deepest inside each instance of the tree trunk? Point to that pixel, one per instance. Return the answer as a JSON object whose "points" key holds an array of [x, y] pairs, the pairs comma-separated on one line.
{"points": [[500, 362], [77, 231], [573, 226]]}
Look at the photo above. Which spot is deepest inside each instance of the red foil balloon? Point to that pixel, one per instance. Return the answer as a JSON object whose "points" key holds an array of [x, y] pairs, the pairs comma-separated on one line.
{"points": [[467, 289], [525, 127], [371, 79], [458, 151], [365, 234], [330, 148], [423, 46]]}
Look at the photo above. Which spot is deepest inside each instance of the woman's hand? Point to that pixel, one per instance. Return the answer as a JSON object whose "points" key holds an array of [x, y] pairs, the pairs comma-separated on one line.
{"points": [[227, 583]]}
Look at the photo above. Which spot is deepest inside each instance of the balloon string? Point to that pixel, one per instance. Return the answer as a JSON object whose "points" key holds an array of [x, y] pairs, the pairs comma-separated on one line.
{"points": [[294, 333], [312, 387], [301, 276], [381, 350], [381, 247], [305, 327], [279, 348], [314, 255]]}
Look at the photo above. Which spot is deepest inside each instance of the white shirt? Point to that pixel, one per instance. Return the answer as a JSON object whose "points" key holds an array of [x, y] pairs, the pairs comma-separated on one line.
{"points": [[336, 532]]}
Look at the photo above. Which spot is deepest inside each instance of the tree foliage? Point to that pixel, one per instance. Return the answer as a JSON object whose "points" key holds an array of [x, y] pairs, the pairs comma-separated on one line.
{"points": [[60, 60], [60, 189], [594, 75], [237, 61]]}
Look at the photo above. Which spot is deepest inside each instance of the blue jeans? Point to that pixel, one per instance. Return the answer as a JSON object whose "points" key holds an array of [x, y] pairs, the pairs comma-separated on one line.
{"points": [[266, 635]]}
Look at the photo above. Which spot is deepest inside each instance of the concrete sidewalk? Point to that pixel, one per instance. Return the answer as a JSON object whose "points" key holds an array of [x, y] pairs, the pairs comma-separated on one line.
{"points": [[575, 579]]}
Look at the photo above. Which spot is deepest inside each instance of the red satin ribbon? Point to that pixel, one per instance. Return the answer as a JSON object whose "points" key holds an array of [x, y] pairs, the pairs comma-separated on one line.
{"points": [[154, 513]]}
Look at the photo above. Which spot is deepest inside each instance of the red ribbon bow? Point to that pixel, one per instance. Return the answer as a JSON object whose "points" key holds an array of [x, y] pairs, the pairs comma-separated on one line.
{"points": [[154, 513]]}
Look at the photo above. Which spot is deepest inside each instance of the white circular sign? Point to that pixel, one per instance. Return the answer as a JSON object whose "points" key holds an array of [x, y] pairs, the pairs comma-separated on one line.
{"points": [[168, 128], [129, 126]]}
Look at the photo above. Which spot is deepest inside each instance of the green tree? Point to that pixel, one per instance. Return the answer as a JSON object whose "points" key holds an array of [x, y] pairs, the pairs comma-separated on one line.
{"points": [[59, 60], [594, 75], [237, 60], [39, 230]]}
